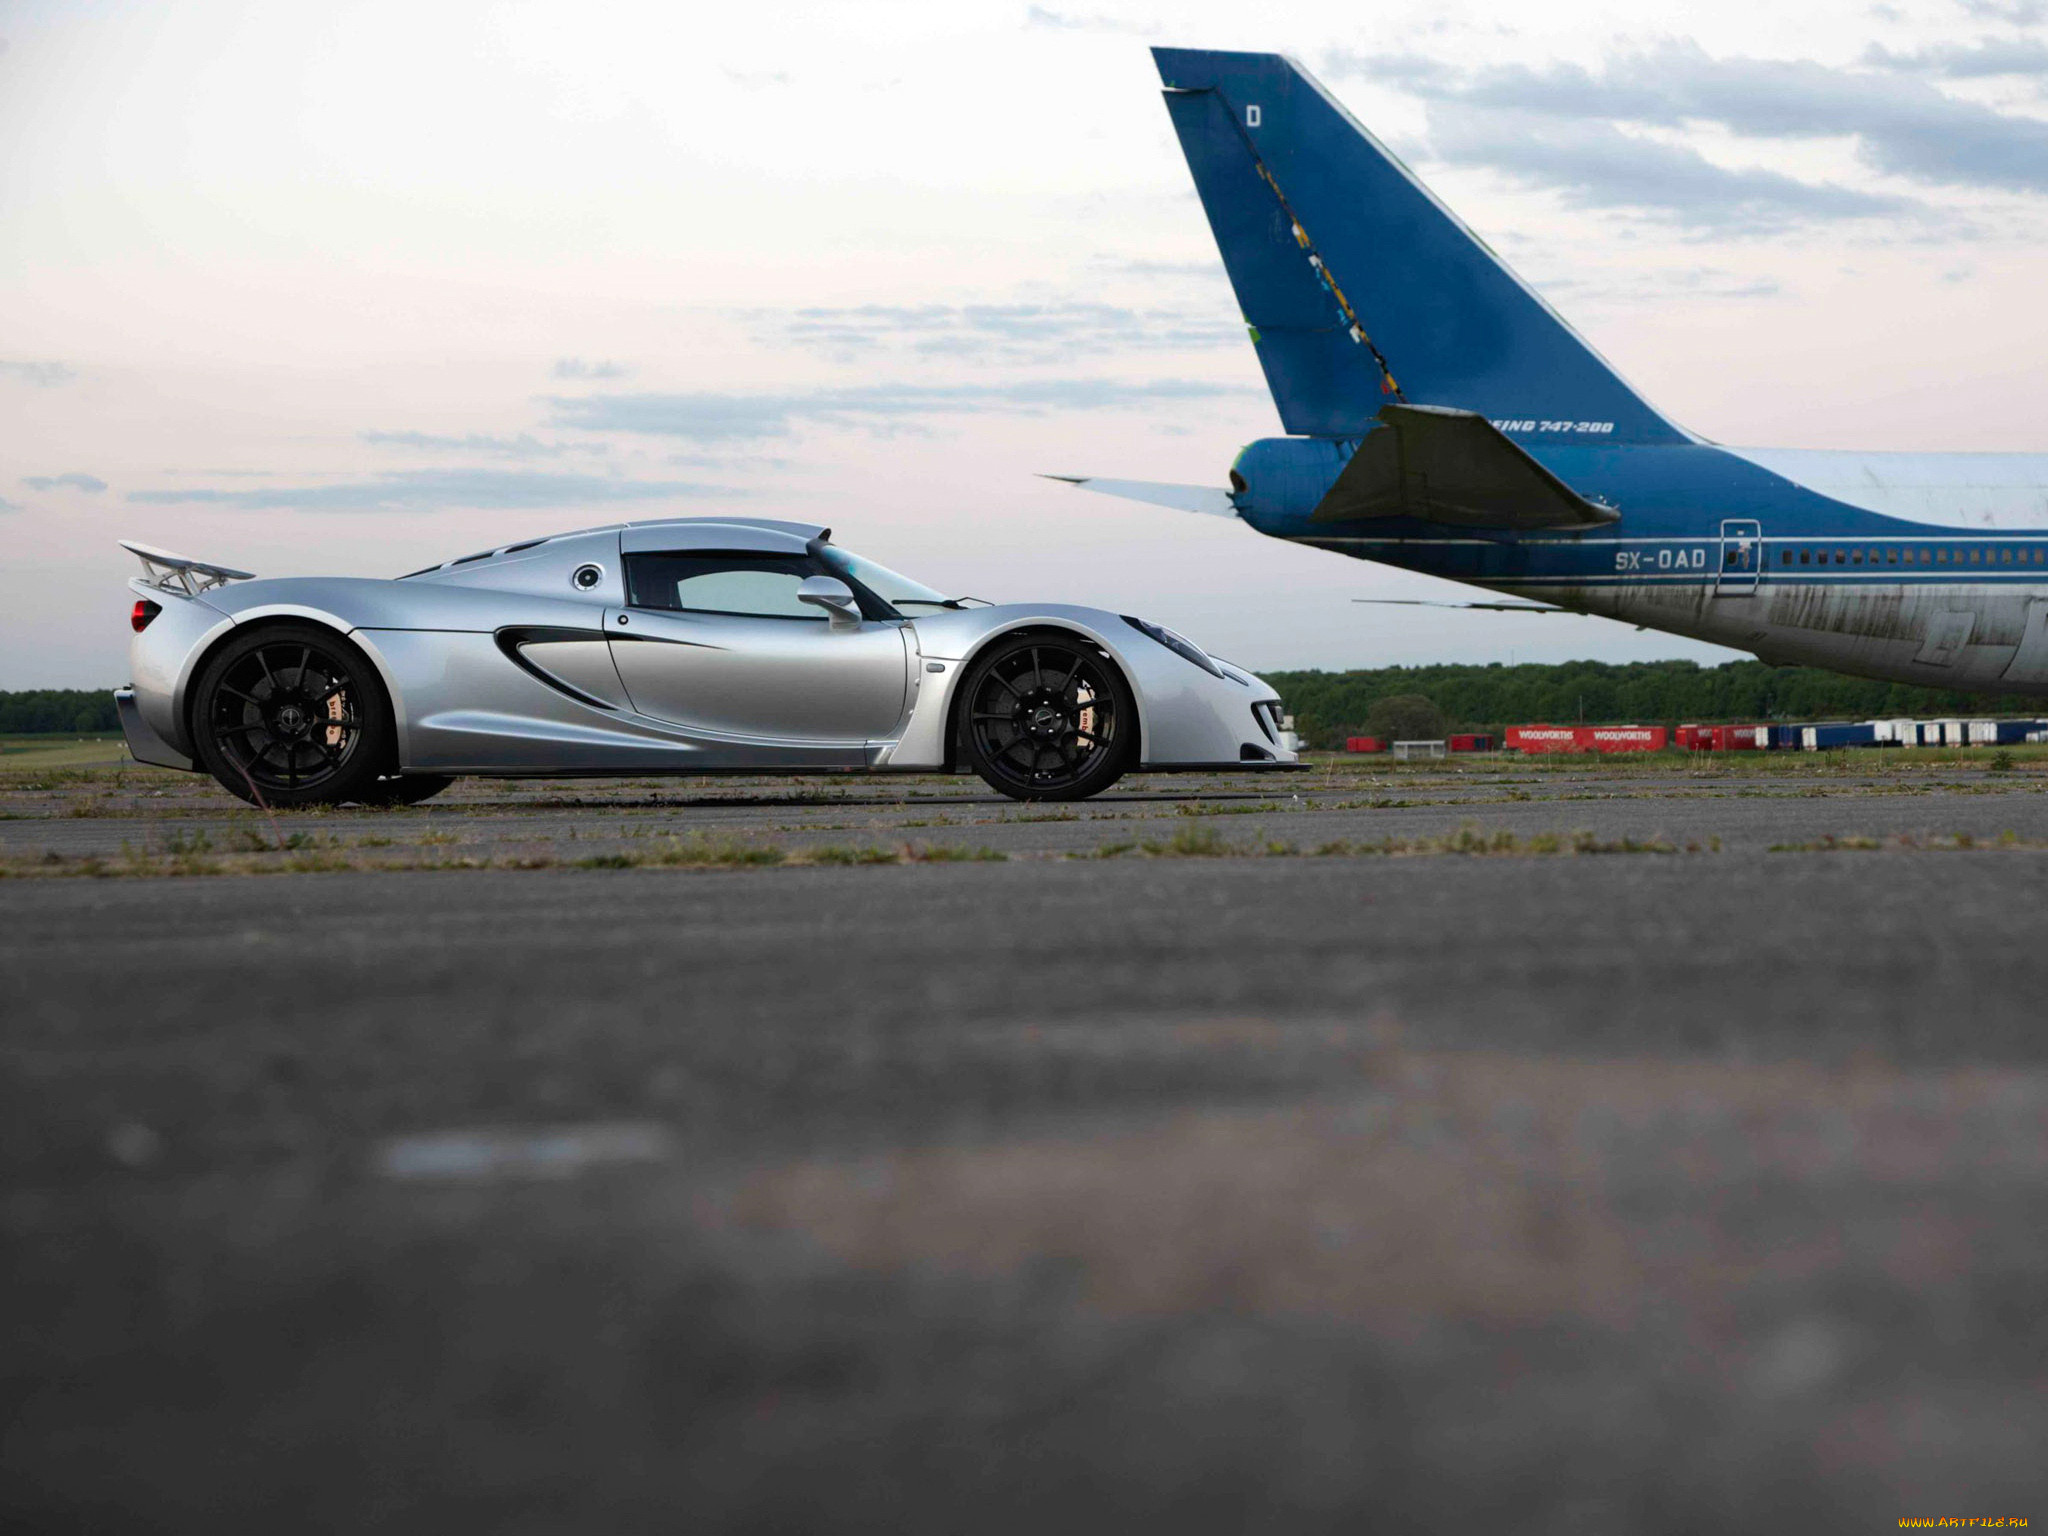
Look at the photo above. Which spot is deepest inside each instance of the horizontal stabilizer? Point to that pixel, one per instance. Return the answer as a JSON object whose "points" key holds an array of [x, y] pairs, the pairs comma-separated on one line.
{"points": [[1456, 467], [1182, 498]]}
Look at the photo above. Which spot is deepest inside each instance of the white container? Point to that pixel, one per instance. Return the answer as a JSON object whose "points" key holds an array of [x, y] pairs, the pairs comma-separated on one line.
{"points": [[1983, 733], [1405, 750], [1953, 733]]}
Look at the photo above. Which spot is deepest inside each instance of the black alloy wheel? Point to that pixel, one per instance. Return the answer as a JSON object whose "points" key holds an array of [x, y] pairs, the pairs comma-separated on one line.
{"points": [[1048, 717], [293, 715]]}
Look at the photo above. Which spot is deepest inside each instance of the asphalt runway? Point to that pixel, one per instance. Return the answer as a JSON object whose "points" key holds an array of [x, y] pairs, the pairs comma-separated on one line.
{"points": [[1606, 1149]]}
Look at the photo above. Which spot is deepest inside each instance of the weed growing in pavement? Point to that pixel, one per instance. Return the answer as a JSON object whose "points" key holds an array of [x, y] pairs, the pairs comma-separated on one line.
{"points": [[1909, 842], [843, 855], [1190, 843], [1203, 842], [951, 853]]}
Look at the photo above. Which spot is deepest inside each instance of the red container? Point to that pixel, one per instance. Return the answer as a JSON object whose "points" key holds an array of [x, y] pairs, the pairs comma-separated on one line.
{"points": [[1696, 738], [1471, 743], [1625, 738], [1544, 738], [1364, 744], [1739, 738]]}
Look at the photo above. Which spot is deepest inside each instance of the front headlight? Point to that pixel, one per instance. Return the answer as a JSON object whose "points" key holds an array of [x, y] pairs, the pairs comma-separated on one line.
{"points": [[1180, 645]]}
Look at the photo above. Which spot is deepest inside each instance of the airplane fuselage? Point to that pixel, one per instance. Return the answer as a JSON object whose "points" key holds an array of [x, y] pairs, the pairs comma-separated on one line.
{"points": [[1929, 569]]}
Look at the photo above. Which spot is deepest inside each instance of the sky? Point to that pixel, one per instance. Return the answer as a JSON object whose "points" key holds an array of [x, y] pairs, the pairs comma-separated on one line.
{"points": [[357, 287]]}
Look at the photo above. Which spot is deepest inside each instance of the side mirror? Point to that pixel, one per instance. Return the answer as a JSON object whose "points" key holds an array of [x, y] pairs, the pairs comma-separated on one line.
{"points": [[834, 596]]}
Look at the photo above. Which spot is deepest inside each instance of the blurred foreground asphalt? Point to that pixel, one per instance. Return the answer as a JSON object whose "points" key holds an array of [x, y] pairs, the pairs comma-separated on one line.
{"points": [[1611, 1192]]}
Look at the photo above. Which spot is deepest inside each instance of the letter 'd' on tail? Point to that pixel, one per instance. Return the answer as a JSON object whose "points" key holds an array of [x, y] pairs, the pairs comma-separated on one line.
{"points": [[1358, 285]]}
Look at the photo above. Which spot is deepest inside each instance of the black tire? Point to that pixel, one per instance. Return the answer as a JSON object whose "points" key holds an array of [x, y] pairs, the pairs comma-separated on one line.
{"points": [[405, 789], [1047, 717], [292, 714]]}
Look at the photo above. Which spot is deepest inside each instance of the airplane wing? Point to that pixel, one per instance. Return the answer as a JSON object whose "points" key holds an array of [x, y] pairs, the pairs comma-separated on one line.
{"points": [[1418, 602], [1446, 466], [1184, 498]]}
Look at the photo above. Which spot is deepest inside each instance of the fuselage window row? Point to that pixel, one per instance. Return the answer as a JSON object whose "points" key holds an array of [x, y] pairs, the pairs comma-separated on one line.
{"points": [[1842, 555]]}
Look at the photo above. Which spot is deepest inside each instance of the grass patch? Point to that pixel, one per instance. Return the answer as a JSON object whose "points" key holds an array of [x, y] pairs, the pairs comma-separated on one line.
{"points": [[833, 854], [1469, 842], [1912, 842], [953, 853], [1190, 843]]}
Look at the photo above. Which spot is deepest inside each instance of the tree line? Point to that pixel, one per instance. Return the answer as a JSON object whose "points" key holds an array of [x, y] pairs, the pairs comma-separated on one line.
{"points": [[44, 711], [1327, 706]]}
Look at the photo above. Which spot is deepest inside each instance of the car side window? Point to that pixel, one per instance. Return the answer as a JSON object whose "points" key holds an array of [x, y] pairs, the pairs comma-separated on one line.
{"points": [[761, 586]]}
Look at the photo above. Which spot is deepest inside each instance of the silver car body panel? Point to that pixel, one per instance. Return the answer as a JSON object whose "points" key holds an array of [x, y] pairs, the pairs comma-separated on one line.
{"points": [[528, 661]]}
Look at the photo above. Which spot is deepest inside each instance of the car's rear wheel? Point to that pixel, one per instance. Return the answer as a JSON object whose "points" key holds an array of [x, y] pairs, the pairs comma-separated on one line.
{"points": [[292, 714], [1048, 717]]}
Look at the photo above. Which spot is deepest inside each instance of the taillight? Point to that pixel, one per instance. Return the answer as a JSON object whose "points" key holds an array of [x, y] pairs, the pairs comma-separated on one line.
{"points": [[144, 611]]}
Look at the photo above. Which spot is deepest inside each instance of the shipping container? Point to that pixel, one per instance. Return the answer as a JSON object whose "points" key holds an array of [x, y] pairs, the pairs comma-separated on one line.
{"points": [[1954, 733], [1819, 738], [1364, 744], [1623, 738], [1783, 738], [1543, 738], [1740, 738], [1471, 743]]}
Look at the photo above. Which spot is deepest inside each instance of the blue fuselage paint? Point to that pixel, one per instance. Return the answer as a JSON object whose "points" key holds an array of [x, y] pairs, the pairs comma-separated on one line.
{"points": [[1713, 546]]}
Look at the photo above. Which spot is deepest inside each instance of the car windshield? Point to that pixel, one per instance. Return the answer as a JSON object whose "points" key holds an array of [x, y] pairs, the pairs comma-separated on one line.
{"points": [[897, 591]]}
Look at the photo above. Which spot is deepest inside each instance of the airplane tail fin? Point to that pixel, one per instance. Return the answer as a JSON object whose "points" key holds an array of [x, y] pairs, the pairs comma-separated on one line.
{"points": [[1360, 288]]}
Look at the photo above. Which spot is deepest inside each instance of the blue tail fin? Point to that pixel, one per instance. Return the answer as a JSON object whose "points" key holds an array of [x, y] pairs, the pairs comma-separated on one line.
{"points": [[1359, 286]]}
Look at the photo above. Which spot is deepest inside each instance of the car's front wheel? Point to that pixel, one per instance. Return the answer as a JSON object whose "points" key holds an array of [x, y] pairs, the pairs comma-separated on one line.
{"points": [[292, 714], [1048, 717]]}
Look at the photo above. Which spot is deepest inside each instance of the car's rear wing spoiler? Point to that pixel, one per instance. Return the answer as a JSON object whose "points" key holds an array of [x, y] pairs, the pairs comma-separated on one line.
{"points": [[175, 574]]}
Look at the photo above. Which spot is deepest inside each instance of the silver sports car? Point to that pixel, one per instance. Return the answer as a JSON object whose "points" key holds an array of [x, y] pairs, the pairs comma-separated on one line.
{"points": [[693, 645]]}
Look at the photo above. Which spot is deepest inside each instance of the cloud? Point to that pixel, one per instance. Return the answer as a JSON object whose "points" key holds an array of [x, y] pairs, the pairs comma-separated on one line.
{"points": [[91, 484], [524, 446], [1138, 266], [1639, 285], [1595, 165], [1044, 332], [1068, 21], [9, 506], [713, 417], [1966, 61], [438, 490], [46, 375], [579, 368], [2021, 13], [1902, 126]]}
